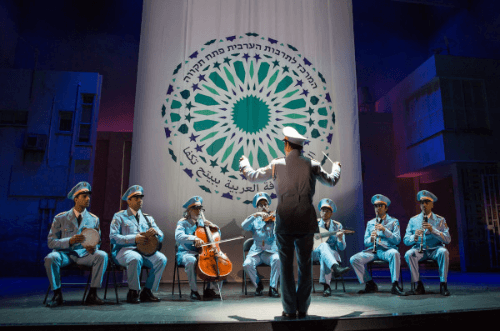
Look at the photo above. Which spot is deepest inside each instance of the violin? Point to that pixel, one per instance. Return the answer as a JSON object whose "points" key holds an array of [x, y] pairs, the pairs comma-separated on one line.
{"points": [[213, 264], [266, 215]]}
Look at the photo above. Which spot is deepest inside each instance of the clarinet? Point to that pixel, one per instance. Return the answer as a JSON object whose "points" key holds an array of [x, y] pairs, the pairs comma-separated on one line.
{"points": [[422, 236], [374, 250]]}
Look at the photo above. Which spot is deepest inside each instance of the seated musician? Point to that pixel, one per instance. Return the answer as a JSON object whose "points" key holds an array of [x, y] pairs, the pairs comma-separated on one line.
{"points": [[434, 232], [264, 248], [129, 228], [65, 239], [189, 243], [327, 252], [382, 236]]}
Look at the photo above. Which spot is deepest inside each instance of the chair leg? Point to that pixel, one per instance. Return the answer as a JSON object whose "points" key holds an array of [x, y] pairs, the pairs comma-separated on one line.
{"points": [[86, 287], [173, 281], [401, 277], [343, 284], [245, 281], [46, 294], [116, 286], [179, 283], [106, 286]]}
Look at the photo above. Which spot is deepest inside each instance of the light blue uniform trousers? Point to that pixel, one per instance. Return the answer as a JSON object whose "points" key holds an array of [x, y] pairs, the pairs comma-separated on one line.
{"points": [[134, 261], [359, 261], [270, 259], [295, 298], [439, 254], [325, 255], [56, 260]]}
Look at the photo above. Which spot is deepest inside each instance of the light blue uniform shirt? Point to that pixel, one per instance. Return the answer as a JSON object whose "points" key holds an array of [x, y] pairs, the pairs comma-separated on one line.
{"points": [[65, 226], [390, 238], [439, 236], [263, 235], [124, 228], [333, 241]]}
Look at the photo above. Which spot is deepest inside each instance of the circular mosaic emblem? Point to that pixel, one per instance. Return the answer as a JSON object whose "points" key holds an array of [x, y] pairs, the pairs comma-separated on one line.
{"points": [[232, 97]]}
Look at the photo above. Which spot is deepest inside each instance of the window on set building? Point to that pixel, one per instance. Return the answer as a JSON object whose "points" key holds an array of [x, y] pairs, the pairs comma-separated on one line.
{"points": [[65, 121], [86, 118]]}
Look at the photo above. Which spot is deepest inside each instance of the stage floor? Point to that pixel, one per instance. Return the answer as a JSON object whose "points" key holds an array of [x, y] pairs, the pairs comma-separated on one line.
{"points": [[22, 298]]}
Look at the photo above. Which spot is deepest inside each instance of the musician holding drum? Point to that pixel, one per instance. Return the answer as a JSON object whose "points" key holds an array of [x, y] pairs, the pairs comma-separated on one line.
{"points": [[427, 233], [135, 240], [327, 251], [189, 244], [382, 236], [264, 248], [69, 245]]}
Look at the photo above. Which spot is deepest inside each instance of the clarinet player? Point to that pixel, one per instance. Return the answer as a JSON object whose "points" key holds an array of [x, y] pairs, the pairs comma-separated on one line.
{"points": [[382, 236]]}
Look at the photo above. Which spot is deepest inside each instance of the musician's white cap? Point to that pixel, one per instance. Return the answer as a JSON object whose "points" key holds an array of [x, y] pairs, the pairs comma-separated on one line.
{"points": [[379, 198], [133, 191], [293, 136]]}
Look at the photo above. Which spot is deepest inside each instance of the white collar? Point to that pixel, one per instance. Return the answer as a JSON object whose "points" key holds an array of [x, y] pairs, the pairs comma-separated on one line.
{"points": [[133, 211], [77, 213]]}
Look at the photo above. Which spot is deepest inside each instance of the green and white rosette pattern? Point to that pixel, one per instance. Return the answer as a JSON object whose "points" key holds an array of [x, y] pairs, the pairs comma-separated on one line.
{"points": [[232, 97]]}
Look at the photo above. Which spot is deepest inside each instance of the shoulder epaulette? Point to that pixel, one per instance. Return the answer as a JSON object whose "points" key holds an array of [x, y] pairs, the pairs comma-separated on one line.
{"points": [[60, 214], [145, 214], [93, 215], [438, 216], [338, 223]]}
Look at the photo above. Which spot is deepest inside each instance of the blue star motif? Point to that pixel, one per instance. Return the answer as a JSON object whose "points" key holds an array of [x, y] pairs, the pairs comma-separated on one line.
{"points": [[198, 148], [195, 87], [168, 132], [305, 92], [193, 137], [299, 83], [201, 77], [246, 56], [329, 138], [257, 57]]}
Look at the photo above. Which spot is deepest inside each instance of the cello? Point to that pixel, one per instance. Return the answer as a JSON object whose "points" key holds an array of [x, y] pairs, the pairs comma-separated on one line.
{"points": [[213, 264]]}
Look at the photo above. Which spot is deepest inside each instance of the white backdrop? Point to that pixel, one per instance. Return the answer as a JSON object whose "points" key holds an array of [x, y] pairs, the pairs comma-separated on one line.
{"points": [[218, 79]]}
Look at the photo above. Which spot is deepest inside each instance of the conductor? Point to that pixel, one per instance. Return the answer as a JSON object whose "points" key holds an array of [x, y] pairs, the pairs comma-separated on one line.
{"points": [[295, 180]]}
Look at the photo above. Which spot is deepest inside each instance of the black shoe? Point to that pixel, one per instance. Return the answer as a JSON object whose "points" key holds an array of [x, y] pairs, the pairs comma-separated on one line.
{"points": [[396, 290], [419, 289], [327, 291], [209, 294], [443, 289], [93, 299], [339, 271], [133, 296], [273, 293], [195, 295], [302, 314], [291, 315], [57, 299], [259, 289], [370, 287], [148, 296]]}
